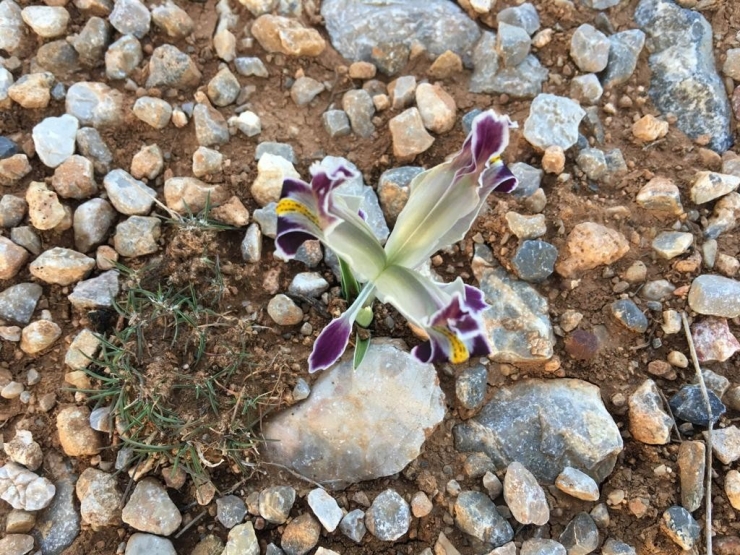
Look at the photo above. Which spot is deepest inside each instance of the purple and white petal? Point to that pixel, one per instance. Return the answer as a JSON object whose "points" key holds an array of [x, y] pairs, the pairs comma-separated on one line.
{"points": [[331, 343]]}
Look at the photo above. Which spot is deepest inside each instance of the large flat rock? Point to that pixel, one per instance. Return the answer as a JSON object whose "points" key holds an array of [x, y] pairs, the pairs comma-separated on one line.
{"points": [[359, 424], [545, 425]]}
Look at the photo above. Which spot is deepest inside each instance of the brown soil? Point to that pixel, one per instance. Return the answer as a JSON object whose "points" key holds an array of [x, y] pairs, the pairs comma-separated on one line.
{"points": [[277, 356]]}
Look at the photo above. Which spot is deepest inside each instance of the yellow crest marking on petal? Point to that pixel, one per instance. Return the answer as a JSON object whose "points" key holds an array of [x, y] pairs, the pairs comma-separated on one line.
{"points": [[495, 159], [459, 352], [291, 206]]}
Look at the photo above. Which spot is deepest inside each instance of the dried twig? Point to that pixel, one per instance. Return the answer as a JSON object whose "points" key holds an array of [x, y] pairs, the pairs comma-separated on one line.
{"points": [[710, 424]]}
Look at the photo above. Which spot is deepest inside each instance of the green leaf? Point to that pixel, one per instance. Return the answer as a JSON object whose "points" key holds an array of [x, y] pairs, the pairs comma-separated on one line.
{"points": [[361, 345], [350, 287]]}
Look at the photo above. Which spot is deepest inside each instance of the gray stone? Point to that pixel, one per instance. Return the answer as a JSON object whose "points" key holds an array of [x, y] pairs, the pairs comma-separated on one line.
{"points": [[305, 89], [137, 236], [26, 237], [18, 302], [581, 536], [8, 147], [100, 498], [224, 88], [92, 222], [480, 465], [364, 445], [680, 526], [54, 139], [524, 496], [475, 514], [353, 525], [210, 126], [534, 261], [251, 246], [150, 509], [169, 67], [92, 41], [356, 27], [59, 58], [512, 44], [128, 195], [95, 104], [207, 161], [553, 120], [101, 418], [561, 413], [266, 218], [593, 163], [715, 296], [649, 422], [670, 244], [600, 4], [627, 313], [521, 81], [301, 390], [684, 79], [300, 535], [283, 150], [130, 17], [23, 489], [586, 89], [726, 444], [98, 292], [623, 54], [308, 284], [589, 49], [148, 544], [247, 122], [529, 179], [12, 29], [389, 516], [336, 123], [172, 19], [359, 107], [59, 524], [123, 57], [616, 547], [532, 339], [538, 546], [657, 290], [325, 508], [688, 405], [524, 16], [471, 386], [251, 67], [275, 503], [91, 145], [230, 510]]}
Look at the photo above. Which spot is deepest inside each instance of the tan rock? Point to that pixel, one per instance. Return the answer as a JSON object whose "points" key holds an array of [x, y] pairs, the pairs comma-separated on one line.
{"points": [[14, 168], [232, 212], [649, 128], [44, 209], [22, 449], [437, 108], [271, 171], [447, 65], [147, 163], [75, 434], [39, 336], [75, 178], [409, 136], [183, 194], [732, 488], [553, 160], [648, 422], [61, 266], [590, 245], [362, 70], [33, 90], [281, 34], [660, 194], [100, 498], [12, 258]]}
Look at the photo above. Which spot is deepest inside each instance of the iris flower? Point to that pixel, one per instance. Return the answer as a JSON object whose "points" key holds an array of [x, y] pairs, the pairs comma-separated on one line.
{"points": [[442, 206]]}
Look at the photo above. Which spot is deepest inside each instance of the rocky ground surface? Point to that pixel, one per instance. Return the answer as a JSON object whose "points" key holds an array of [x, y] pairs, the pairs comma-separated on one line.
{"points": [[149, 338]]}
